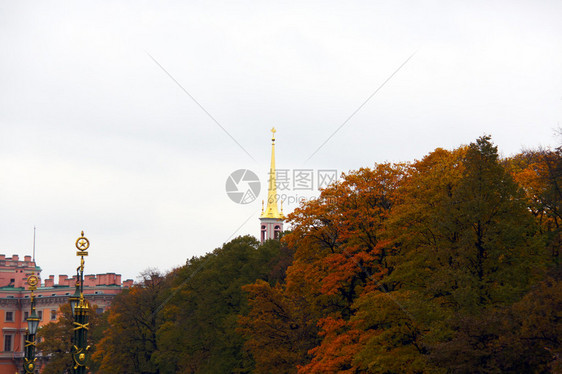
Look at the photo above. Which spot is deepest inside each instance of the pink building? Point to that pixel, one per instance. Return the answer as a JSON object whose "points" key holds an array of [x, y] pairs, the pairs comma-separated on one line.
{"points": [[99, 289], [13, 272]]}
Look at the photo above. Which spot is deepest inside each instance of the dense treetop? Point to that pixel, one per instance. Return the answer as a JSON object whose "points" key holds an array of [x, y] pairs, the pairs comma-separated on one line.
{"points": [[448, 264]]}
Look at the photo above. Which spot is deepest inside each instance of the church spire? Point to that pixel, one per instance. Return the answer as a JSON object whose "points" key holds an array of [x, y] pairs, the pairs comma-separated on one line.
{"points": [[272, 211], [271, 225]]}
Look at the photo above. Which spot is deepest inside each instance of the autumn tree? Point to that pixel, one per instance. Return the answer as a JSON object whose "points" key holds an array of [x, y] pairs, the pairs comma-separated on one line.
{"points": [[464, 247], [339, 250], [364, 202], [129, 342], [274, 317], [397, 314], [539, 172]]}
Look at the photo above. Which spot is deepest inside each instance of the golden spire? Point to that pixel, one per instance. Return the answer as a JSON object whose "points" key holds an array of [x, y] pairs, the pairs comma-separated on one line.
{"points": [[271, 211]]}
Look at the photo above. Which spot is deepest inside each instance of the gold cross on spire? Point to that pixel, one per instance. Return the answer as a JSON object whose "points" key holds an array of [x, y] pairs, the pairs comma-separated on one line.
{"points": [[273, 131]]}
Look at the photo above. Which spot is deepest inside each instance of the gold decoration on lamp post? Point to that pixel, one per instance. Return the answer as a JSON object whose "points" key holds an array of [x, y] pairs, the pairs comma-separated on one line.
{"points": [[80, 310], [32, 325]]}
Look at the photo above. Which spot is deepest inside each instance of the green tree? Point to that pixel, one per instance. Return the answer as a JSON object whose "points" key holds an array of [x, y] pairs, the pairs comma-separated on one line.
{"points": [[199, 332], [521, 338]]}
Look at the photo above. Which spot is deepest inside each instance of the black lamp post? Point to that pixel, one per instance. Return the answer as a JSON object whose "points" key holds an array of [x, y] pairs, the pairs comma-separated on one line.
{"points": [[32, 325], [79, 307]]}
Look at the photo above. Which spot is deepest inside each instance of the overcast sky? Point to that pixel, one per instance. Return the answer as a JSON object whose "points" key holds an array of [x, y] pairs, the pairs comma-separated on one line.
{"points": [[96, 133]]}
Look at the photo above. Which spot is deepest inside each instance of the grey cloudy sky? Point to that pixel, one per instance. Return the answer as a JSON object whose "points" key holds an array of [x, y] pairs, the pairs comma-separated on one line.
{"points": [[95, 136]]}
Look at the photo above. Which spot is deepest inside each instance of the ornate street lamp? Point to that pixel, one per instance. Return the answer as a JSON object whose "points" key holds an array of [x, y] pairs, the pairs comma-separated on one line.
{"points": [[32, 325], [80, 311]]}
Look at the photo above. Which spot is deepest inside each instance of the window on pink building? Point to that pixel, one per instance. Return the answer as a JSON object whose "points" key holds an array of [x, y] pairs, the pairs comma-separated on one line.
{"points": [[9, 316], [7, 343], [263, 233]]}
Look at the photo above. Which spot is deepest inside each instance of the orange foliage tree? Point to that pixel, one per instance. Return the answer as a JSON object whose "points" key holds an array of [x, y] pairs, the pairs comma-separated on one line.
{"points": [[129, 342], [539, 173], [339, 250]]}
